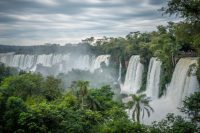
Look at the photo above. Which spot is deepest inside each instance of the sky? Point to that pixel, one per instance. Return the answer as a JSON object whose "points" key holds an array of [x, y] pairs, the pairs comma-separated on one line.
{"points": [[35, 22]]}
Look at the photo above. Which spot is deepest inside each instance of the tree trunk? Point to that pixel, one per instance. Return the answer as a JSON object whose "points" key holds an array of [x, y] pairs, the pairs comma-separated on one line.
{"points": [[138, 114], [173, 61], [82, 103]]}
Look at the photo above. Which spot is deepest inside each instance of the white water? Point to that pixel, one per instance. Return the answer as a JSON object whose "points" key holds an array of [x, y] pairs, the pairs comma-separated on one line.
{"points": [[184, 83], [120, 73], [96, 63], [62, 62], [133, 77], [153, 78]]}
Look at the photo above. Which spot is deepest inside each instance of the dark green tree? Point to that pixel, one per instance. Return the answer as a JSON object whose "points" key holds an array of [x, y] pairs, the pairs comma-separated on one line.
{"points": [[51, 88], [82, 91], [188, 9], [191, 107], [14, 107]]}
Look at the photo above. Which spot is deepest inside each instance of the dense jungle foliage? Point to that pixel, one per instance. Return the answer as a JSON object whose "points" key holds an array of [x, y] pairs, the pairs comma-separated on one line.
{"points": [[32, 103]]}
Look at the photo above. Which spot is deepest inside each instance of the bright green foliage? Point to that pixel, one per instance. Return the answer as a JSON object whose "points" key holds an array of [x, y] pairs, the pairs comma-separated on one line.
{"points": [[103, 95], [42, 117], [67, 101], [52, 89], [28, 85], [122, 126], [23, 85], [14, 106], [35, 112]]}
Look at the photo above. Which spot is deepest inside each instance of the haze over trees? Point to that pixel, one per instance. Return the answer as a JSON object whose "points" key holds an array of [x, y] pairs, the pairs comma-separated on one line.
{"points": [[31, 102]]}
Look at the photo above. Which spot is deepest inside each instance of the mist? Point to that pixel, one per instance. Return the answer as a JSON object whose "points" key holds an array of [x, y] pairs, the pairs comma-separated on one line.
{"points": [[68, 63]]}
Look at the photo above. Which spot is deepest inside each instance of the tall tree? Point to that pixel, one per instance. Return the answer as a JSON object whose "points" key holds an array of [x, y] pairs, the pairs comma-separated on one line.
{"points": [[83, 91], [51, 88], [139, 103]]}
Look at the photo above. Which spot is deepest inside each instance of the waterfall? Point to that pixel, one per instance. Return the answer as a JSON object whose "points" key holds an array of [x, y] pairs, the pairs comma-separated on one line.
{"points": [[98, 60], [153, 78], [58, 63], [184, 82], [120, 72], [133, 77]]}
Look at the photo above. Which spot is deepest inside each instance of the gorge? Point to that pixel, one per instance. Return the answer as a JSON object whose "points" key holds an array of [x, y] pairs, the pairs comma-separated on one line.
{"points": [[183, 83]]}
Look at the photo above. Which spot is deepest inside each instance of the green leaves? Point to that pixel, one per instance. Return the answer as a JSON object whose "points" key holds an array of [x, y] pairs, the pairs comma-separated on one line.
{"points": [[188, 9], [191, 107], [14, 106], [173, 124], [51, 88]]}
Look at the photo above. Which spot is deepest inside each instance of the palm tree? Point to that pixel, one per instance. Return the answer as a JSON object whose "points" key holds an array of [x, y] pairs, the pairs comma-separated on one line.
{"points": [[93, 103], [139, 103], [87, 99], [83, 90]]}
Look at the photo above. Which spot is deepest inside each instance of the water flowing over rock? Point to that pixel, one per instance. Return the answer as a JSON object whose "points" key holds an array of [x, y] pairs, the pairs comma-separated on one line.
{"points": [[184, 83], [133, 77], [120, 73], [96, 63], [153, 78], [53, 63]]}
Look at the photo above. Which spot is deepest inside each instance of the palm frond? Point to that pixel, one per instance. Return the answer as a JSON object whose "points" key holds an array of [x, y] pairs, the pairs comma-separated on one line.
{"points": [[148, 112], [142, 113], [150, 107]]}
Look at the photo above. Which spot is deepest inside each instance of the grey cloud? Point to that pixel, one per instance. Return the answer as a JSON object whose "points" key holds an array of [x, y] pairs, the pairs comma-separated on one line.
{"points": [[71, 20], [157, 2]]}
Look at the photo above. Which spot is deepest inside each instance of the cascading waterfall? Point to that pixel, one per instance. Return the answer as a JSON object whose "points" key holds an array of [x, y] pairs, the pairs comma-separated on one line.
{"points": [[184, 83], [133, 77], [120, 72], [100, 59], [153, 78], [62, 62]]}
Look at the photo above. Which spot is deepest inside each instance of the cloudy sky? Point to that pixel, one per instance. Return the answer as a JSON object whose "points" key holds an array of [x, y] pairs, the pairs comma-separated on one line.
{"points": [[33, 22]]}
